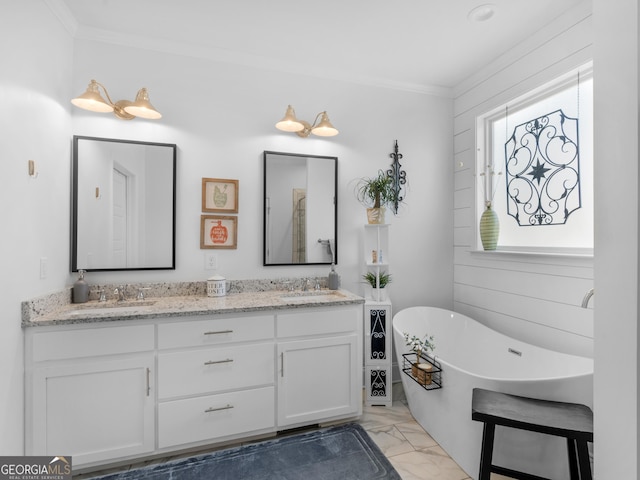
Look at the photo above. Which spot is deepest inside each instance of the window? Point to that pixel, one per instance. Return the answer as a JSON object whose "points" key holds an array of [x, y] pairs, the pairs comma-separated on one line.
{"points": [[535, 166]]}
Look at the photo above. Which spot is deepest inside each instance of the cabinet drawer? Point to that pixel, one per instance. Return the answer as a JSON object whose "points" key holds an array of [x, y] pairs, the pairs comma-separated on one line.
{"points": [[319, 322], [215, 416], [92, 342], [217, 331], [213, 369]]}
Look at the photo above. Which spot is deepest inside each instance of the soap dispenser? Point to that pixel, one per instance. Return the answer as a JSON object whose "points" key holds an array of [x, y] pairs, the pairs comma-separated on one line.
{"points": [[334, 278], [80, 289]]}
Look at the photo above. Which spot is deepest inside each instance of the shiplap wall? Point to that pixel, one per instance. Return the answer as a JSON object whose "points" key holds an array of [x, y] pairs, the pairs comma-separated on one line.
{"points": [[535, 298]]}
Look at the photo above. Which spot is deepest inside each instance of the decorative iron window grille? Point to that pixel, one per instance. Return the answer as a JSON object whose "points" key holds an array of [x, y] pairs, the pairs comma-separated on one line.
{"points": [[543, 170]]}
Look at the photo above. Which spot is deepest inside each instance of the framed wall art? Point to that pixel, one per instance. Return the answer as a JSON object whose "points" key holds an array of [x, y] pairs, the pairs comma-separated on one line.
{"points": [[219, 195], [218, 231]]}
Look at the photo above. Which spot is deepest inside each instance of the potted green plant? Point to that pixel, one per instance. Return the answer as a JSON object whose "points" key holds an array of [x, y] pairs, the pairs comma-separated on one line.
{"points": [[377, 281], [421, 370], [374, 193]]}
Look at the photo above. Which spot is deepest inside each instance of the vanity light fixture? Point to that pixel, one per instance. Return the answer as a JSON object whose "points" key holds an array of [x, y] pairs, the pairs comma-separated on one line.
{"points": [[124, 109], [290, 123]]}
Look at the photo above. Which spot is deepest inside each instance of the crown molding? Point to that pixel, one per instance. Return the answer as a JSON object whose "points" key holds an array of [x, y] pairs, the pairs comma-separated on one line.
{"points": [[248, 60], [64, 15]]}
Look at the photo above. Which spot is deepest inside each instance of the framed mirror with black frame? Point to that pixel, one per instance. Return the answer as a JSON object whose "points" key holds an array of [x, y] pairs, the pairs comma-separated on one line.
{"points": [[123, 205], [300, 209]]}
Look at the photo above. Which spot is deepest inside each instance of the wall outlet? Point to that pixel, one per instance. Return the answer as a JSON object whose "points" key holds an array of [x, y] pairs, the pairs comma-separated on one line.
{"points": [[210, 261], [43, 267]]}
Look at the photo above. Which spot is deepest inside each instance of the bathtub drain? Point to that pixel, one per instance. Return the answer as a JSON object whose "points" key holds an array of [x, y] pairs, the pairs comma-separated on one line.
{"points": [[515, 352]]}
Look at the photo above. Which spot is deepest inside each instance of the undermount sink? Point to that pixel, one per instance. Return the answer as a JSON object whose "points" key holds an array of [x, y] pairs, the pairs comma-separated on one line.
{"points": [[116, 307], [311, 295]]}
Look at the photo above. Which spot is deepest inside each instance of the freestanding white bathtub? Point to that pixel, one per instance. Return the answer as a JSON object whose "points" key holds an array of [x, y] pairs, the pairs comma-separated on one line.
{"points": [[473, 355]]}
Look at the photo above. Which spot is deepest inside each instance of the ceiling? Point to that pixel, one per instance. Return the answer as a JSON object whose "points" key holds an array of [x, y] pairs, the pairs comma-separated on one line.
{"points": [[421, 45]]}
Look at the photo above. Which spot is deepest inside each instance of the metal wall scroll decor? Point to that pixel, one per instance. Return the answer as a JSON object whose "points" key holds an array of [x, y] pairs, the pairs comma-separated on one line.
{"points": [[398, 176], [543, 170]]}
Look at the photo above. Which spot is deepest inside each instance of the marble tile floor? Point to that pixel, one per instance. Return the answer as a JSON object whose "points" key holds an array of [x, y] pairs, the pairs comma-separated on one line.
{"points": [[411, 450]]}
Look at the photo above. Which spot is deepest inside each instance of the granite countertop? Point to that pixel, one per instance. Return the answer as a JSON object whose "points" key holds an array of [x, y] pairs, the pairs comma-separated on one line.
{"points": [[56, 309]]}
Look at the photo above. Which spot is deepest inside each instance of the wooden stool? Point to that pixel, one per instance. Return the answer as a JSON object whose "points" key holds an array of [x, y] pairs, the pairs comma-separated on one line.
{"points": [[569, 420]]}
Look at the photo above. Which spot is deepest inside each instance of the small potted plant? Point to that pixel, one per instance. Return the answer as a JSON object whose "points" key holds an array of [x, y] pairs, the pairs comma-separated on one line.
{"points": [[377, 283], [374, 193], [420, 369]]}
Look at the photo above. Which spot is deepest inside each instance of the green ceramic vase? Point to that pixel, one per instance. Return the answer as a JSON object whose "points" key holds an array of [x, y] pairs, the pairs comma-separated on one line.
{"points": [[489, 229]]}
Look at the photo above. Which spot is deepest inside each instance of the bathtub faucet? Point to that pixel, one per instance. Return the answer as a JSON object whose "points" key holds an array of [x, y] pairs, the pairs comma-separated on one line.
{"points": [[587, 297]]}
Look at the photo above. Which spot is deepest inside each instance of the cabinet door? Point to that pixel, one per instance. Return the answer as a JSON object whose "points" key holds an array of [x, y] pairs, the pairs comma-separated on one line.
{"points": [[377, 353], [318, 379], [94, 411], [377, 333]]}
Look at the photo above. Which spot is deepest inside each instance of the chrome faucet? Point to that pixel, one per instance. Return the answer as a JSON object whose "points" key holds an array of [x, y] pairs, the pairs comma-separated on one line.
{"points": [[121, 293], [587, 297], [305, 284]]}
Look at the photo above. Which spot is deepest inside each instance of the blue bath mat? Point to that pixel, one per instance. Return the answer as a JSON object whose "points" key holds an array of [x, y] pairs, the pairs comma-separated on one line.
{"points": [[344, 452]]}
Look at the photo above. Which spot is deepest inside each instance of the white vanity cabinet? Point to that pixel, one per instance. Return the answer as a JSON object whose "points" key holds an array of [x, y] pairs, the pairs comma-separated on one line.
{"points": [[90, 392], [112, 391], [319, 365], [215, 379]]}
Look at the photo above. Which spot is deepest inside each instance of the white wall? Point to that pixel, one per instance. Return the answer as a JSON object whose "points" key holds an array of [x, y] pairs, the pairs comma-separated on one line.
{"points": [[536, 299], [222, 118], [616, 238], [35, 83]]}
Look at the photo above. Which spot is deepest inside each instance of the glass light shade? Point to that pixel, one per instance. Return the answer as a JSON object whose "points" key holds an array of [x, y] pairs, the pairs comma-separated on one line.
{"points": [[92, 100], [324, 128], [142, 107], [289, 122]]}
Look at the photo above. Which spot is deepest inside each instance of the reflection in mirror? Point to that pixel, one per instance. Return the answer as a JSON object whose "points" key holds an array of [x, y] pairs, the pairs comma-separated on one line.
{"points": [[123, 213], [300, 209]]}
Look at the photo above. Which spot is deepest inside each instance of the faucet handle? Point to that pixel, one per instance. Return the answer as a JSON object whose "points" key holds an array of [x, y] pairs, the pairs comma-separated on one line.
{"points": [[102, 297], [121, 293], [141, 292]]}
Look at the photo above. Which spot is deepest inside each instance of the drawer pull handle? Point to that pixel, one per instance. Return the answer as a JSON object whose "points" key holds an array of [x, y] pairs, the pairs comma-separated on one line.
{"points": [[212, 409], [282, 364], [215, 362], [220, 332], [148, 381]]}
